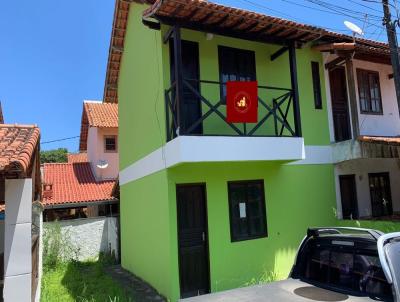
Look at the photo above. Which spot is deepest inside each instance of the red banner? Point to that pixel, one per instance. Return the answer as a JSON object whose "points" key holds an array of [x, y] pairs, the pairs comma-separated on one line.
{"points": [[241, 102]]}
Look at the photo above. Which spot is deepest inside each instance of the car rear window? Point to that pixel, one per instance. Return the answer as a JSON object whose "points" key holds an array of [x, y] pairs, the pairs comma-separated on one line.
{"points": [[345, 267]]}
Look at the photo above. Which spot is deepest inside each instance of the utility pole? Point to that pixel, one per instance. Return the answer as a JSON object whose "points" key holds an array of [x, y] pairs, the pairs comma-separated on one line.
{"points": [[394, 51]]}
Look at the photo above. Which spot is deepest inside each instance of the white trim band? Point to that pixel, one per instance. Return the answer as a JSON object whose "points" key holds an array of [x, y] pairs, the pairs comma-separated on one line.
{"points": [[195, 149]]}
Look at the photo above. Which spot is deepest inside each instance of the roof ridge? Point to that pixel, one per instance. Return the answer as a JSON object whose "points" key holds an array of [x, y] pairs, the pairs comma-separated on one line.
{"points": [[19, 126]]}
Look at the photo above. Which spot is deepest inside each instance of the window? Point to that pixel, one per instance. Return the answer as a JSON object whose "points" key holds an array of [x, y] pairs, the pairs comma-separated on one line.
{"points": [[316, 85], [110, 143], [235, 65], [369, 92], [247, 210], [381, 200]]}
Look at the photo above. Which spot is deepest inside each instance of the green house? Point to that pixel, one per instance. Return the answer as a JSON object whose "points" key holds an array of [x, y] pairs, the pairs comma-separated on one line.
{"points": [[207, 205]]}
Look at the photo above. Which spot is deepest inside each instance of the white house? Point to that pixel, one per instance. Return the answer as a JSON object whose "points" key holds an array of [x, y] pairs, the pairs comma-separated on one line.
{"points": [[364, 128]]}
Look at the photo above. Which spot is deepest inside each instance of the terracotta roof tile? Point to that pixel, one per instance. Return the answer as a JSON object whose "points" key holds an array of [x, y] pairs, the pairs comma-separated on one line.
{"points": [[219, 17], [97, 114], [101, 114], [17, 147], [389, 140], [77, 157], [66, 183]]}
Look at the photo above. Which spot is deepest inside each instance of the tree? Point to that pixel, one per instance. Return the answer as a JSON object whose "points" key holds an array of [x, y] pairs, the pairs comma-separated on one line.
{"points": [[54, 156]]}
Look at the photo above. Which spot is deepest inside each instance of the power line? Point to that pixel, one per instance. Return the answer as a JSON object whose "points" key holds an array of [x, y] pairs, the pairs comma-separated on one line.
{"points": [[59, 140], [336, 9]]}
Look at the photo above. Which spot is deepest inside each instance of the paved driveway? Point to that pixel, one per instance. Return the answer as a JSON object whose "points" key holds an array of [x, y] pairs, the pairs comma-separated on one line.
{"points": [[283, 291]]}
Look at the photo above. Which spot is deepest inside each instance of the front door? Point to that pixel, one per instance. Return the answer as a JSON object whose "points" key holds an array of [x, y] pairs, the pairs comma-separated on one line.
{"points": [[192, 240], [381, 196], [340, 107], [348, 194], [191, 73]]}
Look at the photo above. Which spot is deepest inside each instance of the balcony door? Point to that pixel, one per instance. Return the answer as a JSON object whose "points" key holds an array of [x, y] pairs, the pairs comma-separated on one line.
{"points": [[191, 73], [340, 106]]}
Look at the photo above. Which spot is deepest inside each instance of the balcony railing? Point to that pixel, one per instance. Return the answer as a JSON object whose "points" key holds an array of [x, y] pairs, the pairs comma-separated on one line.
{"points": [[275, 113]]}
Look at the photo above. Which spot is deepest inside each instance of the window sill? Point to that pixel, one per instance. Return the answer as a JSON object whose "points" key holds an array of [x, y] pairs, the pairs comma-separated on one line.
{"points": [[249, 238]]}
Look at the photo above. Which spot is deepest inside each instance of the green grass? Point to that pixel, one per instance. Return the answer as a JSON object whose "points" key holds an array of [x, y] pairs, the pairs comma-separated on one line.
{"points": [[81, 282]]}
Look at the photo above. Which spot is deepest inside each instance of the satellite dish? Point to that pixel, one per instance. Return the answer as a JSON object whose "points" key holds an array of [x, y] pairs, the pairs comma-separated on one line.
{"points": [[102, 164], [354, 28]]}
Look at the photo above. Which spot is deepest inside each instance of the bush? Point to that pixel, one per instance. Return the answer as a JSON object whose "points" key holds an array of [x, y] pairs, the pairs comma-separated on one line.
{"points": [[57, 247]]}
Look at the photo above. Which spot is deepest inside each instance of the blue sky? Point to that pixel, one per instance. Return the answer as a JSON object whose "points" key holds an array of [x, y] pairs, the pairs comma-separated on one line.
{"points": [[53, 54]]}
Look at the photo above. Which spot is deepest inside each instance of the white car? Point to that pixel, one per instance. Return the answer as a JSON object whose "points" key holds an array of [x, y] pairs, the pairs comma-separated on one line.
{"points": [[332, 264]]}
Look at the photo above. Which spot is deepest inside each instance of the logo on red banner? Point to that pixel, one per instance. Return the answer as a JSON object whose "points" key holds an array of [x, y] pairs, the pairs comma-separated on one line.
{"points": [[241, 102]]}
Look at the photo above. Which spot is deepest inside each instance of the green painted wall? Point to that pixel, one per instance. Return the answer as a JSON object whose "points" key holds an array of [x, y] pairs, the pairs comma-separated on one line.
{"points": [[140, 91], [146, 231], [296, 197]]}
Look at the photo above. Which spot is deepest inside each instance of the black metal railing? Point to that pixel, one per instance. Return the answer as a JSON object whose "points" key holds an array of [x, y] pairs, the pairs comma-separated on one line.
{"points": [[277, 106]]}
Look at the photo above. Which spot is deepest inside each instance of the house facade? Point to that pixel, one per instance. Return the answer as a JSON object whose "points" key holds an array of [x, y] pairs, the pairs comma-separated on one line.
{"points": [[84, 186], [364, 131], [208, 205]]}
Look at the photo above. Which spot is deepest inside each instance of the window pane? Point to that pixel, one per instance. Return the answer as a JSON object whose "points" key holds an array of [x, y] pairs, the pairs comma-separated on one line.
{"points": [[235, 65], [316, 85], [247, 210], [110, 143], [342, 269], [317, 265], [369, 91], [369, 276]]}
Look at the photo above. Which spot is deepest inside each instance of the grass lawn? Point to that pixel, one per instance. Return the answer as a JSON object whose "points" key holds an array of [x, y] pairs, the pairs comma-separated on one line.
{"points": [[81, 282]]}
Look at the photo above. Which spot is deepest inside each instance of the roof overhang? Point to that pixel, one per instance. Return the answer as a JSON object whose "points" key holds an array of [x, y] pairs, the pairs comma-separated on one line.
{"points": [[67, 205], [202, 15], [367, 147]]}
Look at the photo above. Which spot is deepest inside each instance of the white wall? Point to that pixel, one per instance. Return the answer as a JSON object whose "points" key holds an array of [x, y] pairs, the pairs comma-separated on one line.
{"points": [[90, 236], [18, 240], [95, 150], [2, 236], [387, 124], [361, 168]]}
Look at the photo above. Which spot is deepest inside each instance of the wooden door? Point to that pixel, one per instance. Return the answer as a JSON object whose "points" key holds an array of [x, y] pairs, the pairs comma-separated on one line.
{"points": [[348, 194], [192, 240], [381, 196], [340, 106], [191, 73]]}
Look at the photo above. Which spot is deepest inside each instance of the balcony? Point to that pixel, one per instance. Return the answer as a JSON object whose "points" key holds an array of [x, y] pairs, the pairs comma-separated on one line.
{"points": [[208, 137]]}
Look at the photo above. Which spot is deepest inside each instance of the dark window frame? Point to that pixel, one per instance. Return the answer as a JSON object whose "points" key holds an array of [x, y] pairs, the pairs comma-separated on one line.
{"points": [[386, 176], [316, 79], [115, 143], [235, 52], [264, 226], [361, 73]]}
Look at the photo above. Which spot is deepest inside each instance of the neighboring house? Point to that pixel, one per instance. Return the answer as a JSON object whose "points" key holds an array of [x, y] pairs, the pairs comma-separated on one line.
{"points": [[19, 227], [99, 138], [365, 130], [85, 185], [207, 205]]}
